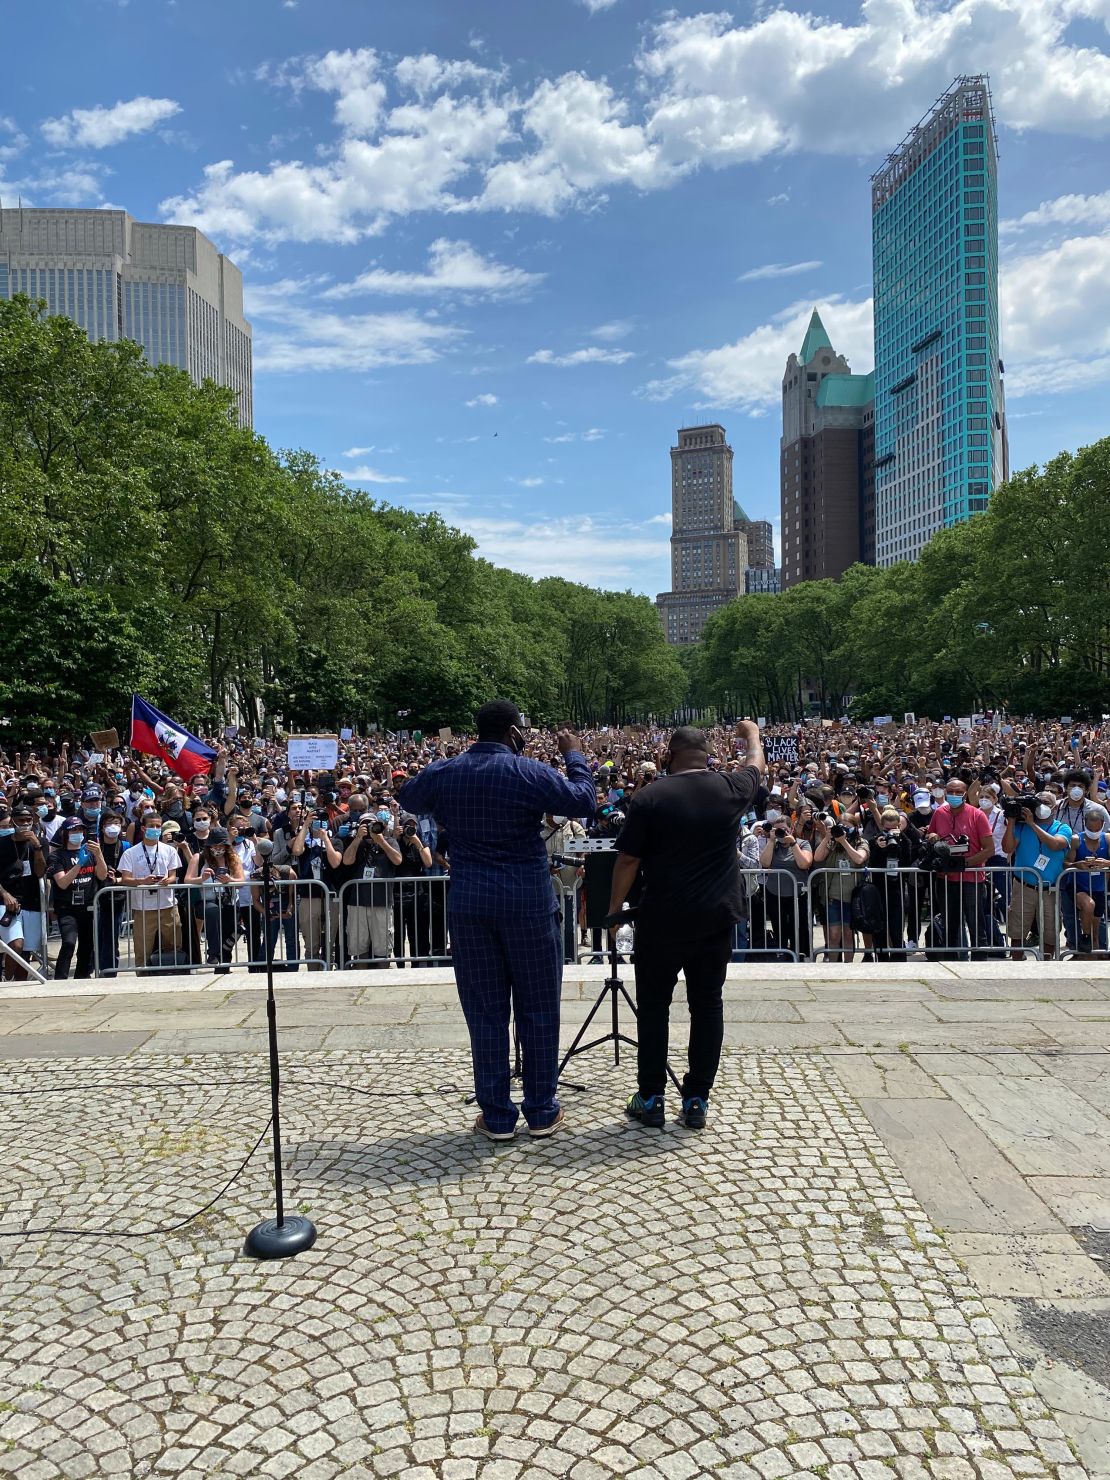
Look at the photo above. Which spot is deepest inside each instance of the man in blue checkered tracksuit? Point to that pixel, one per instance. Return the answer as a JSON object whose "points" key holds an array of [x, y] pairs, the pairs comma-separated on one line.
{"points": [[506, 940]]}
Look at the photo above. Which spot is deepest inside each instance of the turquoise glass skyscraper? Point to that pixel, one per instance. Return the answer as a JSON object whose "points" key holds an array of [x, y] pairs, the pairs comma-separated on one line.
{"points": [[940, 425]]}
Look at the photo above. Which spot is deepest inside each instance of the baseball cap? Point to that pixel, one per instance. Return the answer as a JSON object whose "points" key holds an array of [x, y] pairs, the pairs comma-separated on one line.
{"points": [[91, 794], [921, 797], [74, 824]]}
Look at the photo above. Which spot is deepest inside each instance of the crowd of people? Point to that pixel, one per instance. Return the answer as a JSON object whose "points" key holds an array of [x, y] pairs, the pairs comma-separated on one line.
{"points": [[941, 837]]}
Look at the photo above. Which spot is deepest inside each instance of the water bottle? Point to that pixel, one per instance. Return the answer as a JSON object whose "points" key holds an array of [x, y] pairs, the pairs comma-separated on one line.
{"points": [[625, 938]]}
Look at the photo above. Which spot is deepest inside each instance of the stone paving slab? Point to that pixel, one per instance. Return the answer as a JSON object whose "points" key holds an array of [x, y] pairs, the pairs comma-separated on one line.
{"points": [[766, 1300]]}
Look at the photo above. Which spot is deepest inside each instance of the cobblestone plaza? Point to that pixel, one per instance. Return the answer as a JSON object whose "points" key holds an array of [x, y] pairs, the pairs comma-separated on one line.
{"points": [[770, 1298]]}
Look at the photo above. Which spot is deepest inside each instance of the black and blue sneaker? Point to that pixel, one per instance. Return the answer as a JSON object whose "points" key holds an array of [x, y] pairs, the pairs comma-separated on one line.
{"points": [[693, 1113], [648, 1111]]}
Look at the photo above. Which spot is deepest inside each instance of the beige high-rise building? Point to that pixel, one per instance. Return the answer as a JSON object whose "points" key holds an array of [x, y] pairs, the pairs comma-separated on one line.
{"points": [[167, 287], [709, 547]]}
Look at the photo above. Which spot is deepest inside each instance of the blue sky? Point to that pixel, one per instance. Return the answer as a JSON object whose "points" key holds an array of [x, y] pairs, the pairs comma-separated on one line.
{"points": [[496, 253]]}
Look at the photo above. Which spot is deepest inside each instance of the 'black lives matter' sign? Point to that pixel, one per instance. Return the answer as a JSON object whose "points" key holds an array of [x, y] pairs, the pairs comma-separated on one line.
{"points": [[781, 748]]}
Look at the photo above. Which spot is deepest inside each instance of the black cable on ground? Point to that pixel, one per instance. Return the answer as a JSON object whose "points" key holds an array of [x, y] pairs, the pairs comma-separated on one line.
{"points": [[115, 1233]]}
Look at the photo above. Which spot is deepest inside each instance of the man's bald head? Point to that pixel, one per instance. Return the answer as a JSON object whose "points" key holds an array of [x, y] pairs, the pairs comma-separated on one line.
{"points": [[689, 749]]}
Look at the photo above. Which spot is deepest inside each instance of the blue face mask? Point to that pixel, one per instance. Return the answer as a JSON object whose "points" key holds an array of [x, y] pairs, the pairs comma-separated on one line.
{"points": [[881, 798], [76, 839], [152, 834], [92, 813], [954, 801], [384, 814], [7, 832], [43, 811]]}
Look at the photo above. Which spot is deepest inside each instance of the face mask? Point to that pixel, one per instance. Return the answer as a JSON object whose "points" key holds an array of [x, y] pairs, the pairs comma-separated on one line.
{"points": [[111, 832], [1076, 793], [986, 806], [43, 811], [384, 814], [152, 834], [7, 832], [91, 813], [954, 801], [772, 815], [1044, 813], [202, 829], [881, 798], [559, 821], [1093, 832], [75, 839], [938, 792]]}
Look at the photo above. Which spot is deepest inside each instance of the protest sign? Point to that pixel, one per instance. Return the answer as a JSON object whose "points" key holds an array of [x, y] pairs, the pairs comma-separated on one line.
{"points": [[445, 734], [781, 748], [346, 733], [313, 752], [104, 739]]}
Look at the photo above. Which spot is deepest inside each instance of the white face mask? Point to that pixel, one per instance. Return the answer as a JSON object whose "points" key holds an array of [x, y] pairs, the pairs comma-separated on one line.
{"points": [[1093, 832], [1076, 793], [1044, 813], [772, 815], [986, 806], [938, 792], [559, 821], [111, 832]]}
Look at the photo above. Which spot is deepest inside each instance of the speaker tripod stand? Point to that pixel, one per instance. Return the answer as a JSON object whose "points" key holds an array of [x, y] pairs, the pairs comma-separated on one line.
{"points": [[611, 993]]}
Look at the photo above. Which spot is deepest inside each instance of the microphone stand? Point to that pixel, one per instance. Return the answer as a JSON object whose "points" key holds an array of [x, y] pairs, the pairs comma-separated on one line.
{"points": [[280, 1237]]}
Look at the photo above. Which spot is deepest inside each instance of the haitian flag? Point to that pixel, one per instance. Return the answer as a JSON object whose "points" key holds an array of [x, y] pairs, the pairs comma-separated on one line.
{"points": [[154, 733]]}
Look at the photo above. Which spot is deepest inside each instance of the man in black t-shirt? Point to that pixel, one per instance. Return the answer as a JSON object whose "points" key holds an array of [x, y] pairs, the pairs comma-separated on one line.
{"points": [[681, 832]]}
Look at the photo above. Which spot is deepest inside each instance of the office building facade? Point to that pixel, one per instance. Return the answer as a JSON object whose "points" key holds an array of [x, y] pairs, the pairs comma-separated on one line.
{"points": [[762, 580], [826, 457], [167, 287], [940, 432], [709, 547]]}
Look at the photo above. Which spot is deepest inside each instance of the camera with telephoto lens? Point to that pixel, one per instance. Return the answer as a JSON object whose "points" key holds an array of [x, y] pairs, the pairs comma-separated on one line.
{"points": [[780, 832], [409, 830], [838, 830], [377, 826], [946, 854], [1013, 807]]}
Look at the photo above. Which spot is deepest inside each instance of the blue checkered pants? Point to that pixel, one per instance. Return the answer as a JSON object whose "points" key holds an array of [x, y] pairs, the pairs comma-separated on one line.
{"points": [[518, 962]]}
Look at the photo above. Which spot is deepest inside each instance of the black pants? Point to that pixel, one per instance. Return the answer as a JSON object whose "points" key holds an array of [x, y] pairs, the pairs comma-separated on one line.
{"points": [[76, 928], [956, 912], [412, 925], [703, 961]]}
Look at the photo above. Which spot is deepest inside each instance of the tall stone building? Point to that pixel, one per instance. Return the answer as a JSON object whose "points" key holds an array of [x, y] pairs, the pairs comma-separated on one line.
{"points": [[167, 287], [826, 462], [709, 546]]}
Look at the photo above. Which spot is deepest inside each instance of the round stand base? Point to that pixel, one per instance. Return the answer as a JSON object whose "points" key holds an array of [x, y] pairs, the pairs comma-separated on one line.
{"points": [[271, 1240]]}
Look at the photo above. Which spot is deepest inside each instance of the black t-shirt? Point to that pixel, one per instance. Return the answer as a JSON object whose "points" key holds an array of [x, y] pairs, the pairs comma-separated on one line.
{"points": [[684, 828], [79, 895], [17, 871]]}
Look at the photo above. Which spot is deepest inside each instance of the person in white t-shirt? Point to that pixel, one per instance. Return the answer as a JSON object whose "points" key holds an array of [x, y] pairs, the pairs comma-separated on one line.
{"points": [[147, 867]]}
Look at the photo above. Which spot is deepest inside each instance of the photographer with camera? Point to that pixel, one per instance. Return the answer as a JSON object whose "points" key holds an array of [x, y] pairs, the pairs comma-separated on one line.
{"points": [[1037, 843], [219, 871], [316, 858], [840, 851], [413, 902], [959, 833], [786, 902], [372, 857]]}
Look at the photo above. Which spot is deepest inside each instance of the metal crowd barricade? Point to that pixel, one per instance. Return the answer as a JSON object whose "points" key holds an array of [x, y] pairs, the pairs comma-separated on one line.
{"points": [[917, 912], [777, 916], [206, 927], [393, 922]]}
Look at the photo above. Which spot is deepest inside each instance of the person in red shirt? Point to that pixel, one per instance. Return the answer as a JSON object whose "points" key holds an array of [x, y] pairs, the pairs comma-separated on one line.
{"points": [[956, 895]]}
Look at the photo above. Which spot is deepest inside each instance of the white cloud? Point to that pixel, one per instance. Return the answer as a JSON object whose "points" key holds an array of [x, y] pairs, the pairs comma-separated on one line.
{"points": [[427, 74], [585, 142], [1055, 302], [16, 139], [596, 6], [454, 268], [592, 434], [421, 151], [369, 475], [614, 329], [487, 398], [528, 482], [667, 519], [724, 93], [780, 199], [777, 270], [592, 354], [99, 127], [357, 452], [307, 340], [1065, 210], [602, 551], [748, 373], [710, 92], [271, 300]]}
